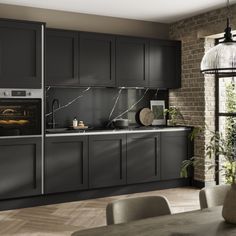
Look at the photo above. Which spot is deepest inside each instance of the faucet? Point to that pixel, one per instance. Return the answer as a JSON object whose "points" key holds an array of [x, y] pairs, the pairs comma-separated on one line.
{"points": [[55, 101]]}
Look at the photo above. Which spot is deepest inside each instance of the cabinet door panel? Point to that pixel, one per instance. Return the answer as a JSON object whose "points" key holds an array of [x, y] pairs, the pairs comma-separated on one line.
{"points": [[143, 158], [174, 150], [61, 58], [131, 62], [165, 64], [97, 59], [20, 55], [66, 164], [20, 167], [107, 156]]}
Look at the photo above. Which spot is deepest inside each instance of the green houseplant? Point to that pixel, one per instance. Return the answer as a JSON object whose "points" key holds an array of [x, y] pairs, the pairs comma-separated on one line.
{"points": [[174, 114]]}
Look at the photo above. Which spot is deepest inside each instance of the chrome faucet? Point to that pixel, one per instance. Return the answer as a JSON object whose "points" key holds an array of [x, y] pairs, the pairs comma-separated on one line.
{"points": [[55, 101]]}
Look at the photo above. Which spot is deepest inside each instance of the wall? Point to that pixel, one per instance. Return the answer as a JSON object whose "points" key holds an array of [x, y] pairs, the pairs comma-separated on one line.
{"points": [[196, 98], [95, 105], [85, 22]]}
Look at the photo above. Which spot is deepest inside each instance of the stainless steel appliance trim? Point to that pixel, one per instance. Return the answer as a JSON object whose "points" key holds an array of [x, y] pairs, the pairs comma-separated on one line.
{"points": [[29, 93], [42, 118], [21, 136]]}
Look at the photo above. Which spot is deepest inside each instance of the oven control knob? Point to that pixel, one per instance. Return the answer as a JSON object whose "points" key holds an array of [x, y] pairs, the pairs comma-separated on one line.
{"points": [[6, 94]]}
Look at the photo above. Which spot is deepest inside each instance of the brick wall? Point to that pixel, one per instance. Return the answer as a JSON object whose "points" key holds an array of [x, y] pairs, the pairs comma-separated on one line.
{"points": [[196, 98]]}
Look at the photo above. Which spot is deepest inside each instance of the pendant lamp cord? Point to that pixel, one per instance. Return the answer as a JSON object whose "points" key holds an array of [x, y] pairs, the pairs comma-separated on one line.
{"points": [[228, 9]]}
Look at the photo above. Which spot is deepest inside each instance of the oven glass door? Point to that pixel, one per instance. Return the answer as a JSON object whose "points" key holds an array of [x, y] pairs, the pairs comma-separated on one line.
{"points": [[20, 117]]}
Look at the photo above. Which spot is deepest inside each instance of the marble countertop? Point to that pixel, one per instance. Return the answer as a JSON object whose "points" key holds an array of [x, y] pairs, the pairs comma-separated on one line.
{"points": [[117, 131]]}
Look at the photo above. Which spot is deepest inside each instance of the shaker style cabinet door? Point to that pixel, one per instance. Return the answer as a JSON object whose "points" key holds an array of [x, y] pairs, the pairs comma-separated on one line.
{"points": [[107, 160], [174, 150], [20, 54], [61, 58], [20, 167], [165, 64], [131, 62], [97, 59], [66, 164], [143, 158]]}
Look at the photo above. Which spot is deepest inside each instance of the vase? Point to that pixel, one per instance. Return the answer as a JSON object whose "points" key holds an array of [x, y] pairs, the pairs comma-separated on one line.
{"points": [[229, 207]]}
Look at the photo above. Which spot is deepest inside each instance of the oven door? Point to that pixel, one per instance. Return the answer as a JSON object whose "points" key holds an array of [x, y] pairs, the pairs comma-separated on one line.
{"points": [[20, 117]]}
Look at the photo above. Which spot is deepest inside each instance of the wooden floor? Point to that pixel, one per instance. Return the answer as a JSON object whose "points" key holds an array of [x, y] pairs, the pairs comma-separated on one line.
{"points": [[65, 218]]}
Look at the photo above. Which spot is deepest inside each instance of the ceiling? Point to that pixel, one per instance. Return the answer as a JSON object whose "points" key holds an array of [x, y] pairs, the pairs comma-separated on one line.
{"points": [[149, 10]]}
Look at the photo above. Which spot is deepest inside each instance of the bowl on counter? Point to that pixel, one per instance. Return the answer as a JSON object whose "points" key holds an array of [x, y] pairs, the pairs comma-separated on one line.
{"points": [[121, 123]]}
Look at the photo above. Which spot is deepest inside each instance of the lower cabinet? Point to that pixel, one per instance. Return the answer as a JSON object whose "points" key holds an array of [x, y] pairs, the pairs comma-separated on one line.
{"points": [[174, 150], [20, 167], [66, 164], [107, 160], [143, 157]]}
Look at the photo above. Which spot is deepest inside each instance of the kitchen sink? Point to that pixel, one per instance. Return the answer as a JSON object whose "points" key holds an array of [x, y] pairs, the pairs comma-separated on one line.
{"points": [[56, 130]]}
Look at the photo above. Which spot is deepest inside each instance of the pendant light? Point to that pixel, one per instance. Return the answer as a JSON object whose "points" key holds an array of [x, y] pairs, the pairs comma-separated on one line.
{"points": [[221, 59]]}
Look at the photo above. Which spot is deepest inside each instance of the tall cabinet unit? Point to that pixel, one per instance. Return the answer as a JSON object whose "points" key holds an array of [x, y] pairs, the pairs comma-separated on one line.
{"points": [[61, 58], [20, 167], [97, 59], [20, 54]]}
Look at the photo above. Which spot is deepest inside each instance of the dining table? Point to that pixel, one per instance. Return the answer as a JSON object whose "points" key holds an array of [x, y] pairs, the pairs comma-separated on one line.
{"points": [[207, 222]]}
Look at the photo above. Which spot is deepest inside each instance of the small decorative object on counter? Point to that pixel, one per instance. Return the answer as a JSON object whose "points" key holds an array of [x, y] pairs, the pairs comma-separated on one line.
{"points": [[158, 107], [81, 124], [75, 122], [121, 123], [146, 116]]}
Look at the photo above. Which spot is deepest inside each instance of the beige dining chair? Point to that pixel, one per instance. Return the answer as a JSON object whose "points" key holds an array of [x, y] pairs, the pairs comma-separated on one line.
{"points": [[213, 196], [126, 210]]}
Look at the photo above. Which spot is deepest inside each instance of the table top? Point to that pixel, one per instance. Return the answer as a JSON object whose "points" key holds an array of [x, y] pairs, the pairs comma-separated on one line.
{"points": [[207, 222]]}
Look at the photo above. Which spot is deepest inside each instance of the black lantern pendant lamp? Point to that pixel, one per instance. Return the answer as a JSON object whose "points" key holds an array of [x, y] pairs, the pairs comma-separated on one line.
{"points": [[221, 59]]}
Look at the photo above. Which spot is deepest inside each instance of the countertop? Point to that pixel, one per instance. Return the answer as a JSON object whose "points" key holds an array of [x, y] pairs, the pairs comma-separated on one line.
{"points": [[208, 222], [117, 131]]}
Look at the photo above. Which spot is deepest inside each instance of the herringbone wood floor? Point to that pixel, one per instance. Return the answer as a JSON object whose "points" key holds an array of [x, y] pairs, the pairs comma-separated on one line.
{"points": [[65, 218]]}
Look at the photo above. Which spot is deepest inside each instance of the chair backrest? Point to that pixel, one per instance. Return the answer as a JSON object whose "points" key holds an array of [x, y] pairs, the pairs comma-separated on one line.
{"points": [[213, 196], [125, 210]]}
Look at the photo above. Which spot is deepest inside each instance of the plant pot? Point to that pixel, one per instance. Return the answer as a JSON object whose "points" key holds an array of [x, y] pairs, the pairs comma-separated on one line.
{"points": [[229, 207]]}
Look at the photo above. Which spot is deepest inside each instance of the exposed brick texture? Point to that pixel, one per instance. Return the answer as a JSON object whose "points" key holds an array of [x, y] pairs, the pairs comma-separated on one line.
{"points": [[196, 98]]}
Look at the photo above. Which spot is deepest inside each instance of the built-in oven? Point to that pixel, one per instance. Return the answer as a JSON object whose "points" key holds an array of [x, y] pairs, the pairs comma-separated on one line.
{"points": [[20, 112]]}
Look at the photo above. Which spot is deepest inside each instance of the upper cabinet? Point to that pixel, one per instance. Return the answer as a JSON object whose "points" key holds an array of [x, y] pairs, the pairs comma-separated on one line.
{"points": [[165, 64], [97, 59], [20, 54], [131, 62], [61, 58], [92, 59]]}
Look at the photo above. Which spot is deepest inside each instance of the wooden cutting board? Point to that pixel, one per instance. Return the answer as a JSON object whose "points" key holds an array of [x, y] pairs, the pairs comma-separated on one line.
{"points": [[146, 116]]}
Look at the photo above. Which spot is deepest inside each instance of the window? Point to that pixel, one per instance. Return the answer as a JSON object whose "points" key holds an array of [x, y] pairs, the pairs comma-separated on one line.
{"points": [[225, 114]]}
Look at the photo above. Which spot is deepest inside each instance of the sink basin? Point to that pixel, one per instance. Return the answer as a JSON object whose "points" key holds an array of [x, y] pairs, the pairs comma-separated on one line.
{"points": [[56, 130]]}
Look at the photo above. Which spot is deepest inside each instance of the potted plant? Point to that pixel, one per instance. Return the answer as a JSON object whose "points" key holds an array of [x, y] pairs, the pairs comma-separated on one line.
{"points": [[225, 147], [174, 114]]}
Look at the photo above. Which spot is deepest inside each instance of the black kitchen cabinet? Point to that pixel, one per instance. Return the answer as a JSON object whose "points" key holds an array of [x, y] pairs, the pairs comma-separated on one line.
{"points": [[20, 167], [174, 150], [164, 64], [66, 164], [20, 54], [107, 160], [143, 157], [132, 62], [97, 59], [61, 58]]}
